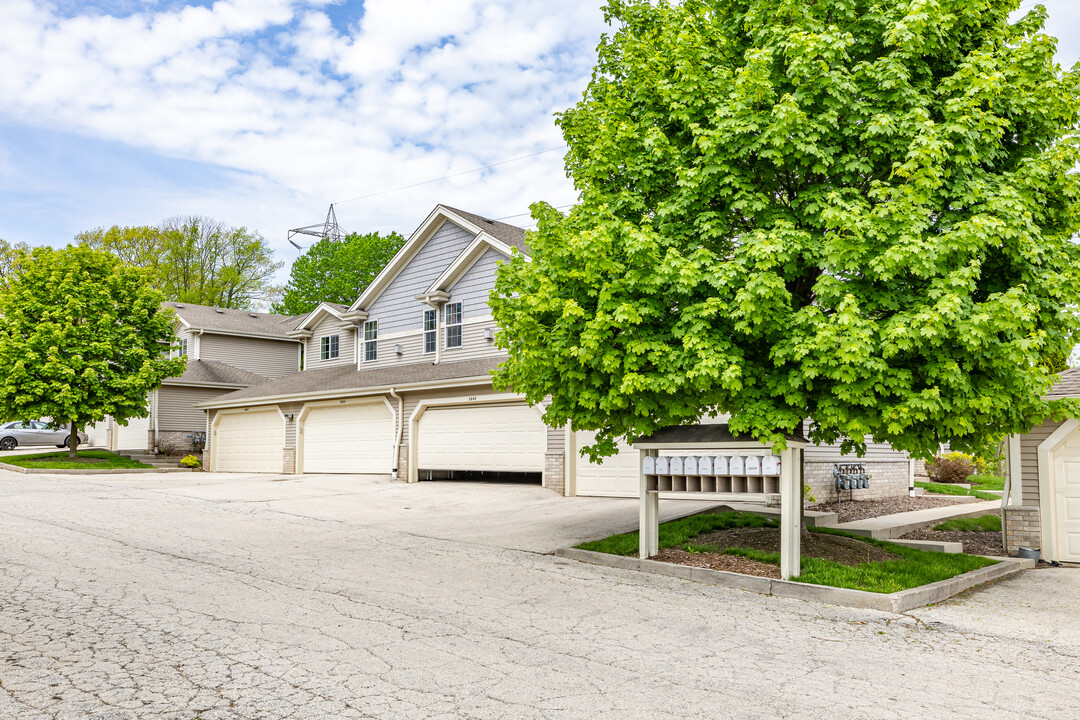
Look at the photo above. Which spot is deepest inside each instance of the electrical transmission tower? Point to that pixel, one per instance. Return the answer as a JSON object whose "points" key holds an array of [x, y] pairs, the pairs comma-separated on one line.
{"points": [[329, 229]]}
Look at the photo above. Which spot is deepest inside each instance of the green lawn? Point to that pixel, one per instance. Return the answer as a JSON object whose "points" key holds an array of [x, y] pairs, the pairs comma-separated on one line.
{"points": [[915, 568], [983, 523], [987, 482], [947, 489], [59, 461]]}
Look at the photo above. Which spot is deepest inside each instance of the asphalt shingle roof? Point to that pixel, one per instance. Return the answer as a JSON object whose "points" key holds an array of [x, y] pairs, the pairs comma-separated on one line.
{"points": [[348, 378], [241, 321], [509, 234], [212, 372], [1067, 385]]}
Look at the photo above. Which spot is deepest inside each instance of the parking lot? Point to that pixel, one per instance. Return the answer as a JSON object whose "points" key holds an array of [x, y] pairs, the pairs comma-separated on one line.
{"points": [[214, 596]]}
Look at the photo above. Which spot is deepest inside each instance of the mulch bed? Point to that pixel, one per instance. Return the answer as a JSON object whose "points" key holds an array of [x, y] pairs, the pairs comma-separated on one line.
{"points": [[862, 509], [847, 551], [975, 543]]}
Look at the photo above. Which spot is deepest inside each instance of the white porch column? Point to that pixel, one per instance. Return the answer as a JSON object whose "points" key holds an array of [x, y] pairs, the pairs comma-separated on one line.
{"points": [[790, 512]]}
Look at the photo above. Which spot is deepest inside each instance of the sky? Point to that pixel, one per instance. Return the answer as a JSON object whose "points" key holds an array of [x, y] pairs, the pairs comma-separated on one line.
{"points": [[263, 112]]}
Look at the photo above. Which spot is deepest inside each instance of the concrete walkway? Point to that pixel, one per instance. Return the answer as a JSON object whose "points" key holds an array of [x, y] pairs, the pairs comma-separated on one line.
{"points": [[894, 526]]}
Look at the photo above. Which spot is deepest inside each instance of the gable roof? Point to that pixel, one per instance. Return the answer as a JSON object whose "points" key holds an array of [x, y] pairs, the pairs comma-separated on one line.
{"points": [[325, 308], [346, 380], [500, 234], [228, 321], [1067, 385], [465, 260], [212, 372], [512, 235]]}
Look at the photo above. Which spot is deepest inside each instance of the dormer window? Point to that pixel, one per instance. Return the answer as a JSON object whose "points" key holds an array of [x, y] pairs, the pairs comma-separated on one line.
{"points": [[328, 347], [371, 340], [431, 318], [453, 325]]}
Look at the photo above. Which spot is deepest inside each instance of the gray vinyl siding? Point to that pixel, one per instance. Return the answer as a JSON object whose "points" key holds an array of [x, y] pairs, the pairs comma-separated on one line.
{"points": [[875, 452], [269, 358], [183, 333], [397, 308], [346, 333], [1029, 459], [176, 407], [473, 288], [556, 440]]}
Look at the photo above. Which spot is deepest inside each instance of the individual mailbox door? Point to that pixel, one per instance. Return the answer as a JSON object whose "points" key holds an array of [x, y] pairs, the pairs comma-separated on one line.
{"points": [[737, 465]]}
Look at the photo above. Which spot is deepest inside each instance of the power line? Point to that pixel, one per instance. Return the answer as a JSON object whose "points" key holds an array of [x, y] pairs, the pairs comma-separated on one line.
{"points": [[447, 177]]}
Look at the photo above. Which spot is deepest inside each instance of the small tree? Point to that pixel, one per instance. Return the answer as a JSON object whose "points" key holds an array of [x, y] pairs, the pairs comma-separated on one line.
{"points": [[82, 336], [852, 211], [336, 271]]}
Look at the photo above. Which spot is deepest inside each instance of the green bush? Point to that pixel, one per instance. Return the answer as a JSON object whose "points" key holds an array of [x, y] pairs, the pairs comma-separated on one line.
{"points": [[952, 468], [191, 461]]}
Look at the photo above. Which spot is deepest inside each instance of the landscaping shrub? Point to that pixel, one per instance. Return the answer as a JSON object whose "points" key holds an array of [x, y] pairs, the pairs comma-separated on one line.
{"points": [[190, 461], [952, 468]]}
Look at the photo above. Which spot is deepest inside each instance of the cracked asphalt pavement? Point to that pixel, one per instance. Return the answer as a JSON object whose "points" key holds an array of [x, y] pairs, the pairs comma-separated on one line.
{"points": [[212, 597]]}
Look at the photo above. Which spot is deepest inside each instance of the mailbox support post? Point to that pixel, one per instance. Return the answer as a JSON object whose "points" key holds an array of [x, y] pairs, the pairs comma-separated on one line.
{"points": [[790, 512], [649, 519]]}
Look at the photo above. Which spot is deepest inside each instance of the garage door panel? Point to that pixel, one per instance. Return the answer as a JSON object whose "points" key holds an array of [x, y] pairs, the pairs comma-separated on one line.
{"points": [[615, 476], [249, 442], [494, 438], [356, 438], [134, 436]]}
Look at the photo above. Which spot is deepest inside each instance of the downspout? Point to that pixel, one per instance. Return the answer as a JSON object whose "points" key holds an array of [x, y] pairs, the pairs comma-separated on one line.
{"points": [[400, 429]]}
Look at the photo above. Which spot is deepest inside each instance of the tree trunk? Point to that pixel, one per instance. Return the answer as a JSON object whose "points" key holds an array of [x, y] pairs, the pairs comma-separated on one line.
{"points": [[73, 441]]}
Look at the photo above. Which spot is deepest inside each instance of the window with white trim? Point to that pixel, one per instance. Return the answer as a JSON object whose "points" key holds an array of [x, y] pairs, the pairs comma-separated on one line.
{"points": [[453, 325], [182, 350], [431, 330], [329, 347], [371, 340]]}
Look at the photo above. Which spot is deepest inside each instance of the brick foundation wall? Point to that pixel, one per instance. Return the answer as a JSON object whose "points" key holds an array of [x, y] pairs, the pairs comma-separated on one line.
{"points": [[177, 443], [1023, 526], [403, 463], [288, 461], [555, 472], [887, 479]]}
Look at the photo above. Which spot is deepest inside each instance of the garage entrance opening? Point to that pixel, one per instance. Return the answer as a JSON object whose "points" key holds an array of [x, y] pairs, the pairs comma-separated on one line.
{"points": [[510, 478]]}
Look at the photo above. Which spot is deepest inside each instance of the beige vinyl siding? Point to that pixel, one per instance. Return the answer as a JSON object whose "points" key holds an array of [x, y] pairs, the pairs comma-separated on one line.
{"points": [[556, 440], [473, 344], [1029, 459], [269, 358], [176, 407], [326, 327], [397, 308], [183, 333], [875, 452], [293, 409]]}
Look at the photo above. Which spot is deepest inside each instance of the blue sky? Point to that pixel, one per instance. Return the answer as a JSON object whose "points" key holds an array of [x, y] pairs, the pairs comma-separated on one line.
{"points": [[262, 112]]}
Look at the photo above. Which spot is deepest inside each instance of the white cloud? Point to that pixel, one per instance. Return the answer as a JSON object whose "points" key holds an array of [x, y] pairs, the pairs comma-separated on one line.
{"points": [[310, 112]]}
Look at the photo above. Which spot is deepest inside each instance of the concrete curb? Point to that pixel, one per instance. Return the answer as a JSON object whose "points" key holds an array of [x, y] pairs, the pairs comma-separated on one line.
{"points": [[89, 471], [888, 527], [896, 602], [942, 546]]}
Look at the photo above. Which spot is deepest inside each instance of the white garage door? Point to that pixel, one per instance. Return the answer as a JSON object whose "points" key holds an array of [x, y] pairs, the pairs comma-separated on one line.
{"points": [[495, 438], [249, 441], [615, 476], [1067, 499], [134, 436], [97, 435], [354, 438]]}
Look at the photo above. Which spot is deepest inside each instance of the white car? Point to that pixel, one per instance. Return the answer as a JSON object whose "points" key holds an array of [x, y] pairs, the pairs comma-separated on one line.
{"points": [[34, 432]]}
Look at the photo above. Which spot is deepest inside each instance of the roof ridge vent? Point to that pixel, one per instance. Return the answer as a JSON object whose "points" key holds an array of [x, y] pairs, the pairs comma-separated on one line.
{"points": [[219, 310], [179, 305], [254, 315]]}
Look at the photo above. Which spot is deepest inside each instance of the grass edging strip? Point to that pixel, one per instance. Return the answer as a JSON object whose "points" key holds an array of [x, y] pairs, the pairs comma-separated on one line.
{"points": [[88, 471], [897, 602]]}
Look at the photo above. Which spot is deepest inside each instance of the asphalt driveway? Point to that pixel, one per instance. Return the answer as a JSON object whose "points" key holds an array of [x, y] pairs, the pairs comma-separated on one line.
{"points": [[208, 596]]}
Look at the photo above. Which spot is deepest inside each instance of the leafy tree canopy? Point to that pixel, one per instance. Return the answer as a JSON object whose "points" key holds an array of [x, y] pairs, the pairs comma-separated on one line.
{"points": [[852, 211], [196, 260], [81, 337], [336, 271], [10, 256]]}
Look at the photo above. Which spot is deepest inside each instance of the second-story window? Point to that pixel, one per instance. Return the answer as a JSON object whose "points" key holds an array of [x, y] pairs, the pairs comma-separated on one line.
{"points": [[328, 347], [371, 340], [182, 350], [430, 330], [453, 325]]}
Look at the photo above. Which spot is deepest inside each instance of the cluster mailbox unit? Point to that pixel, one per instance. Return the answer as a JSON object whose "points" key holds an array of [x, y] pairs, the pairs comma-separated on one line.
{"points": [[707, 462]]}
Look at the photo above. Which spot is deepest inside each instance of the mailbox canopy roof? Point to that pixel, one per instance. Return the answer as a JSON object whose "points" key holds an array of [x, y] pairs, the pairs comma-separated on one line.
{"points": [[706, 436]]}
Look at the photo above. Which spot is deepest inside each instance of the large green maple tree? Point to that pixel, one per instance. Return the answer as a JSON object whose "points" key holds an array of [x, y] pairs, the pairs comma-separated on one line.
{"points": [[856, 212]]}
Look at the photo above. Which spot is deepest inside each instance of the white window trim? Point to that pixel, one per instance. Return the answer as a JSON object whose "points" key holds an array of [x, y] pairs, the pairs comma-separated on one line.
{"points": [[332, 353], [373, 340], [434, 332], [459, 324]]}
